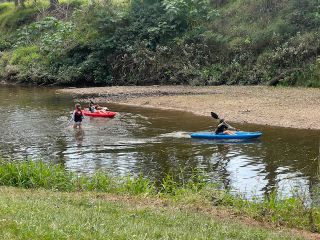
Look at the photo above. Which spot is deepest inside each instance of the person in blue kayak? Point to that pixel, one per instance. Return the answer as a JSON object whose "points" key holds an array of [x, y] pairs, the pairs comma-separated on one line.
{"points": [[77, 116], [224, 128]]}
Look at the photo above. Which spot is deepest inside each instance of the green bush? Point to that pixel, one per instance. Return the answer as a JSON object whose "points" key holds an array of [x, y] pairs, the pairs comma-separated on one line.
{"points": [[25, 56], [195, 42], [4, 43]]}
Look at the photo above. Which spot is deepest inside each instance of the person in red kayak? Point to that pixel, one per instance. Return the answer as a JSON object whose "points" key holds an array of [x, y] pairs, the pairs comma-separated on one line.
{"points": [[95, 107], [77, 116], [92, 107], [224, 128]]}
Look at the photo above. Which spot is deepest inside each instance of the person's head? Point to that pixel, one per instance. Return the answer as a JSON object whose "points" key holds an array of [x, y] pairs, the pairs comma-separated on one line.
{"points": [[78, 106]]}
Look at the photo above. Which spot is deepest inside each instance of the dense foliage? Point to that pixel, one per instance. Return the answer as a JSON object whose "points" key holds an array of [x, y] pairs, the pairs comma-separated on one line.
{"points": [[143, 42]]}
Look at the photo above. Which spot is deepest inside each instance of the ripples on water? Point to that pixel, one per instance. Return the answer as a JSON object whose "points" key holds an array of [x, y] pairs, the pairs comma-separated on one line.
{"points": [[34, 124]]}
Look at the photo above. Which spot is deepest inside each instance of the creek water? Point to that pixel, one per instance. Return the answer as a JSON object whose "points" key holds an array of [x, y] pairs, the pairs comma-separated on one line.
{"points": [[34, 123]]}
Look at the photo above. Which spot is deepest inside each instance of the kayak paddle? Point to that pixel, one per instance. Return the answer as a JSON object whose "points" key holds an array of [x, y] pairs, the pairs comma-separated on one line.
{"points": [[214, 115]]}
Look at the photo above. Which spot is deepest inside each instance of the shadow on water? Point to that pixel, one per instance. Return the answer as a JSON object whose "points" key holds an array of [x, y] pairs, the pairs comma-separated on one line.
{"points": [[35, 123]]}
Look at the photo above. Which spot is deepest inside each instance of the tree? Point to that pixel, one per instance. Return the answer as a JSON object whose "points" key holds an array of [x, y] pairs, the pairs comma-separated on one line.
{"points": [[19, 3], [53, 4]]}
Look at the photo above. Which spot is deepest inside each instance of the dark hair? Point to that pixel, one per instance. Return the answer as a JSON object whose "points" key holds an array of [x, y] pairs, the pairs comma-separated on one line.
{"points": [[221, 120]]}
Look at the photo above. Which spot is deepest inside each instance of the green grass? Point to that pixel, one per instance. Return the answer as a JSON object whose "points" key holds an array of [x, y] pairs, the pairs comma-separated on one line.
{"points": [[286, 211], [40, 214], [40, 175]]}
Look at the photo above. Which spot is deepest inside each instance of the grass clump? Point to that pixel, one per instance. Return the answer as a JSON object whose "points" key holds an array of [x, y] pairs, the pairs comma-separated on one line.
{"points": [[35, 175], [31, 174], [286, 211]]}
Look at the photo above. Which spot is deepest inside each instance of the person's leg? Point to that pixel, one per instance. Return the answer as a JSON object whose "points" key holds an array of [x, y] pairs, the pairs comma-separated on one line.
{"points": [[229, 132], [77, 125]]}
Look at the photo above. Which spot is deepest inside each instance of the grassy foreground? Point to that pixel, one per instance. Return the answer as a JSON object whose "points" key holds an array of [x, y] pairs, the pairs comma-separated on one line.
{"points": [[79, 207], [41, 214]]}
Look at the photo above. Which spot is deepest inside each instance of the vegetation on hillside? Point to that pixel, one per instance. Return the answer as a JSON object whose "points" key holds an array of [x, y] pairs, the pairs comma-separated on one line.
{"points": [[197, 42]]}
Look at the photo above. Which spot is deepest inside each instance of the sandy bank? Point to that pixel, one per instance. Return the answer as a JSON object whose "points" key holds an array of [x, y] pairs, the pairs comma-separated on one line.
{"points": [[284, 107]]}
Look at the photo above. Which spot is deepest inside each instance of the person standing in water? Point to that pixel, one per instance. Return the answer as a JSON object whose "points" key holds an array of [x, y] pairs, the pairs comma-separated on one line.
{"points": [[77, 116]]}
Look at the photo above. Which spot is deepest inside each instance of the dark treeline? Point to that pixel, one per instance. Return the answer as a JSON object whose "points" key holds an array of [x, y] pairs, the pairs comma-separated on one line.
{"points": [[143, 42]]}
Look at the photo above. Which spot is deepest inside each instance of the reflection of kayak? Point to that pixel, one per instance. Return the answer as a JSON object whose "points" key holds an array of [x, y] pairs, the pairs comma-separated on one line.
{"points": [[236, 135], [99, 113]]}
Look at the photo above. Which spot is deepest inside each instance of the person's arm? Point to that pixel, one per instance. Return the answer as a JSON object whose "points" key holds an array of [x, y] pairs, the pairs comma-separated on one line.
{"points": [[230, 127], [73, 115], [218, 128]]}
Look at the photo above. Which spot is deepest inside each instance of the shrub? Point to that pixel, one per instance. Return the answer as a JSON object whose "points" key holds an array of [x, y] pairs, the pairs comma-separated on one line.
{"points": [[165, 42]]}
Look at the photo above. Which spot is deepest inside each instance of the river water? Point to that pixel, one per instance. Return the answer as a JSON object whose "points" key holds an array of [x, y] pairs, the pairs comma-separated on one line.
{"points": [[34, 123]]}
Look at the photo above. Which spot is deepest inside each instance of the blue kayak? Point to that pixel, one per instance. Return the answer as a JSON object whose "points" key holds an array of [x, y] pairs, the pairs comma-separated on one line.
{"points": [[236, 135]]}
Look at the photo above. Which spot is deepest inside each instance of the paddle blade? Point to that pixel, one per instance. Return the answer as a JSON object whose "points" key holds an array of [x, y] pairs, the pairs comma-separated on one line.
{"points": [[214, 115]]}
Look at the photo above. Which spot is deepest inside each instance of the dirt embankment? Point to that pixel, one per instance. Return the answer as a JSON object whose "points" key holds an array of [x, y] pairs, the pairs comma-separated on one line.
{"points": [[284, 107]]}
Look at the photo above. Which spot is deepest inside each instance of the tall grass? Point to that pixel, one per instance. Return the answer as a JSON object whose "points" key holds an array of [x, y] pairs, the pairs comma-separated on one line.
{"points": [[288, 211], [31, 174], [37, 174]]}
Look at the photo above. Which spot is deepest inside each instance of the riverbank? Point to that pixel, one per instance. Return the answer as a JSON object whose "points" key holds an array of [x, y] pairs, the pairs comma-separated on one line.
{"points": [[43, 214], [281, 106], [39, 201]]}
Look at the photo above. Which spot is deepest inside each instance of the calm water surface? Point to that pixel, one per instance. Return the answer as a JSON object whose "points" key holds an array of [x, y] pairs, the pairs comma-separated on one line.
{"points": [[34, 124]]}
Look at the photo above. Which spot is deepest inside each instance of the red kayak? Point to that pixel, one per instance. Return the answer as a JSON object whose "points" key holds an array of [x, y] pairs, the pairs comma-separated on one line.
{"points": [[99, 113]]}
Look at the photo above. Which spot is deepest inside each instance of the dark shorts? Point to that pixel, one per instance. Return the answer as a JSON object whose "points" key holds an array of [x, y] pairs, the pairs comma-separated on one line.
{"points": [[78, 123]]}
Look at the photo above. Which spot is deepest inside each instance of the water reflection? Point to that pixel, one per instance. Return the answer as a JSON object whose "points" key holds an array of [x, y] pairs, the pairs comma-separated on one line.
{"points": [[34, 123], [61, 148], [79, 136]]}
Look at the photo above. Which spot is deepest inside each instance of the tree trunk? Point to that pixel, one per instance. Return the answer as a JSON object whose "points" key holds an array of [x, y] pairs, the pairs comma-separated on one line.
{"points": [[90, 2], [53, 4], [19, 3], [22, 3]]}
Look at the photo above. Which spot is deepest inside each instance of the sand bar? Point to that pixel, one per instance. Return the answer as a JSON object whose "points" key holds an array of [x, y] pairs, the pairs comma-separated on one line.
{"points": [[281, 106]]}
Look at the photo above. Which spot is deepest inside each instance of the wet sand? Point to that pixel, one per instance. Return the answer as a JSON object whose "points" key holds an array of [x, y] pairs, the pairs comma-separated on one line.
{"points": [[281, 106]]}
